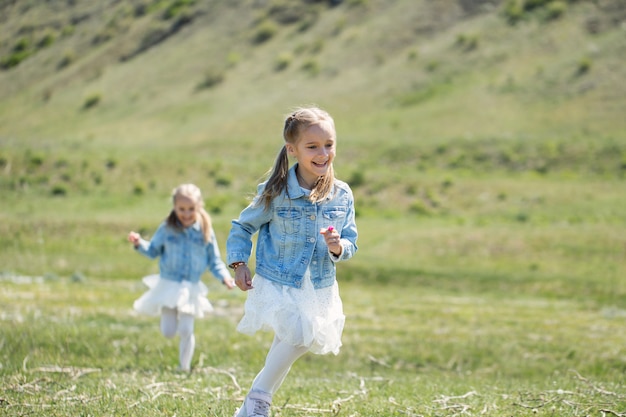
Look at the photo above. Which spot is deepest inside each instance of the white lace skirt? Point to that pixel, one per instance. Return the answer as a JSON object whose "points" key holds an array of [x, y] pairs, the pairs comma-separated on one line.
{"points": [[186, 297], [299, 316]]}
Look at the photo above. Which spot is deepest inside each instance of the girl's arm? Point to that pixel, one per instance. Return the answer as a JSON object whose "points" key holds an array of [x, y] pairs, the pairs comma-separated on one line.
{"points": [[348, 235], [215, 263], [134, 238], [239, 242], [154, 247]]}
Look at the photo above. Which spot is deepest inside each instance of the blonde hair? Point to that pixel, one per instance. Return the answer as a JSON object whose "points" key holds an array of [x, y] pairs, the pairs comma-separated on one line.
{"points": [[193, 193], [297, 122]]}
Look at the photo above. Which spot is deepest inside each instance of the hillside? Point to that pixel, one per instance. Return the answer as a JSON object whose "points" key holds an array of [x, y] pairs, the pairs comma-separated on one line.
{"points": [[427, 70], [478, 85]]}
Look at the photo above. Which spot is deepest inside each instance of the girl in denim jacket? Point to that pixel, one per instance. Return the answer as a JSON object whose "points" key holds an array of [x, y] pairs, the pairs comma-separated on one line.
{"points": [[187, 246], [304, 217]]}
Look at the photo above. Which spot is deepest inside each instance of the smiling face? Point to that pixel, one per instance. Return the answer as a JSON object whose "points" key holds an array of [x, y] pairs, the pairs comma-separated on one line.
{"points": [[315, 151], [186, 210]]}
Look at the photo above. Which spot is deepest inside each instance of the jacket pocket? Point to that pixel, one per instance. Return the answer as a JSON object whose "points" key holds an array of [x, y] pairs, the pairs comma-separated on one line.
{"points": [[290, 219], [334, 216]]}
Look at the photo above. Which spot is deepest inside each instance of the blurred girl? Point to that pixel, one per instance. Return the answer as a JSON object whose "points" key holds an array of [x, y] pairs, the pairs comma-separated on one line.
{"points": [[305, 221], [186, 245]]}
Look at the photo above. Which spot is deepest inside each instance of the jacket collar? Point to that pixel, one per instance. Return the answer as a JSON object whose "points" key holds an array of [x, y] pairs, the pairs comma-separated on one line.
{"points": [[195, 226], [293, 186]]}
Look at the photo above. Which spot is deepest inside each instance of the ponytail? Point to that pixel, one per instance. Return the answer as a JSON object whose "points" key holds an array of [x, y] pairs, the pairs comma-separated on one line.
{"points": [[277, 181]]}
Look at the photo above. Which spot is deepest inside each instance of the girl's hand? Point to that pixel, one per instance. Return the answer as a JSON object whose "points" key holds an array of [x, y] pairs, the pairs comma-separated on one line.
{"points": [[229, 282], [333, 240], [134, 238], [243, 278]]}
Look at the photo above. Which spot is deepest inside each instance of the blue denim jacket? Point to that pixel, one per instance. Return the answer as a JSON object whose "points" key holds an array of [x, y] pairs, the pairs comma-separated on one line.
{"points": [[289, 239], [184, 254]]}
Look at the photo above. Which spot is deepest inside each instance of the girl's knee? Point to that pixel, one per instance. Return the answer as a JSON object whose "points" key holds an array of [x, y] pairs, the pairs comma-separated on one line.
{"points": [[185, 326], [168, 332], [169, 322]]}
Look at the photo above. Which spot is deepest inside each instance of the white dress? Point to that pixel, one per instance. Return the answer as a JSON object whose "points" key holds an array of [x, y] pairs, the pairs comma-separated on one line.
{"points": [[299, 316], [186, 297]]}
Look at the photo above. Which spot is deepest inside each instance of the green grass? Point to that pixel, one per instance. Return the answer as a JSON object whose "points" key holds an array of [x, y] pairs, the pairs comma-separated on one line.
{"points": [[72, 348]]}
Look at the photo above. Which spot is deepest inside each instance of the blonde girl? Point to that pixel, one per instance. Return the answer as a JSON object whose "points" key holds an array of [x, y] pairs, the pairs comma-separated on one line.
{"points": [[305, 221], [186, 245]]}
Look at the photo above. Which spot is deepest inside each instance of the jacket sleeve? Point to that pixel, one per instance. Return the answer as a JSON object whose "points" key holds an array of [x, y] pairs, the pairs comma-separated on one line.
{"points": [[153, 248], [349, 233], [215, 263], [239, 243]]}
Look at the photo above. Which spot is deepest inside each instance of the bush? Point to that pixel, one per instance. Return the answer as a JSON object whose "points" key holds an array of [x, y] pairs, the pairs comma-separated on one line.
{"points": [[467, 42], [177, 8], [139, 189], [212, 77], [223, 181], [312, 67], [555, 10], [66, 60], [14, 59], [584, 66], [265, 31], [283, 61], [47, 40], [513, 11], [59, 190], [357, 179], [92, 101]]}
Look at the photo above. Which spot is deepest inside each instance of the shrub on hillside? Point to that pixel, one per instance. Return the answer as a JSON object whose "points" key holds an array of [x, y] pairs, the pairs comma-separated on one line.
{"points": [[59, 190], [177, 8], [517, 10], [584, 66], [283, 61], [312, 67], [92, 101], [20, 51], [467, 42], [555, 10], [212, 77], [66, 60], [264, 32], [47, 40]]}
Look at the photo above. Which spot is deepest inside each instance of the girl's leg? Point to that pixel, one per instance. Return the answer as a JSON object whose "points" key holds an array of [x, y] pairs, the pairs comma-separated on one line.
{"points": [[277, 365], [187, 340], [169, 322]]}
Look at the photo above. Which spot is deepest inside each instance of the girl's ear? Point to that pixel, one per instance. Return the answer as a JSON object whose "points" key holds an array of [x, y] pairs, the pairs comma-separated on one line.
{"points": [[290, 149]]}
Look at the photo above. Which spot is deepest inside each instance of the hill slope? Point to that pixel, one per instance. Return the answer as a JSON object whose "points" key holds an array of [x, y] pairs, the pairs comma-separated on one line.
{"points": [[152, 70]]}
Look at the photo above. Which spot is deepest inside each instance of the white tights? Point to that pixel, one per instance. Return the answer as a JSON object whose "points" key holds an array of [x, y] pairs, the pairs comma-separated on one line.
{"points": [[277, 365], [172, 322]]}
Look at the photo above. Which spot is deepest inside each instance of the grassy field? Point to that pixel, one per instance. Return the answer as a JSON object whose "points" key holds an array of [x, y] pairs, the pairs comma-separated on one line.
{"points": [[486, 146], [75, 348]]}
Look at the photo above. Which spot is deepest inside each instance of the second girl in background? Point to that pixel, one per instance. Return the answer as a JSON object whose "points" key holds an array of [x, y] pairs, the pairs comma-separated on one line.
{"points": [[186, 245]]}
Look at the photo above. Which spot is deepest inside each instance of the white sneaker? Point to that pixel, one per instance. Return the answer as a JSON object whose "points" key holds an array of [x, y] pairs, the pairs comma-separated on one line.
{"points": [[256, 404]]}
